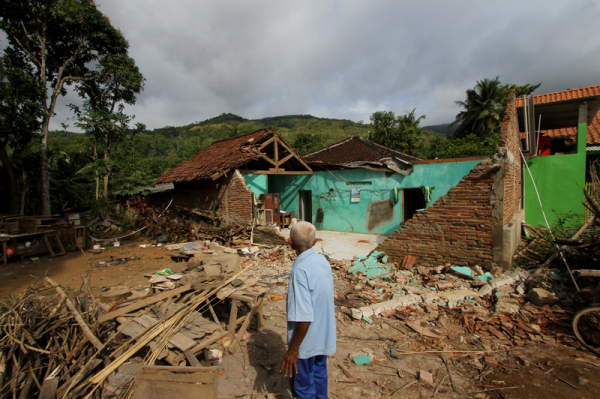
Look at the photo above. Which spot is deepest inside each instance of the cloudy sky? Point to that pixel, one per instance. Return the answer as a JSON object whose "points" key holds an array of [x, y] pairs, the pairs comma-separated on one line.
{"points": [[346, 58]]}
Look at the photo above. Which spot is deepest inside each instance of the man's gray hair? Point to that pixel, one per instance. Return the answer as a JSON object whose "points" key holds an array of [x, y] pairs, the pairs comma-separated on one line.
{"points": [[303, 235]]}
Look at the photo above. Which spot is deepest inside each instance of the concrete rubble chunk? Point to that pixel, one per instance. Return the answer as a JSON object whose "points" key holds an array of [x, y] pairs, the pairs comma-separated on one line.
{"points": [[377, 308], [541, 297], [485, 290], [498, 282], [507, 305]]}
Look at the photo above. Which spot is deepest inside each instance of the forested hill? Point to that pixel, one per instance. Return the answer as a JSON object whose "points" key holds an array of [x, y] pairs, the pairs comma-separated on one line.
{"points": [[228, 125]]}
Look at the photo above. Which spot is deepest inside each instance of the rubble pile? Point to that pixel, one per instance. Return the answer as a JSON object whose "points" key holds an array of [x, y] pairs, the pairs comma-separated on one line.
{"points": [[495, 307], [69, 343]]}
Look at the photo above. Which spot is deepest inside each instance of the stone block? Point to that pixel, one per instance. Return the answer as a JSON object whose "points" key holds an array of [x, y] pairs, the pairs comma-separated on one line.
{"points": [[541, 297]]}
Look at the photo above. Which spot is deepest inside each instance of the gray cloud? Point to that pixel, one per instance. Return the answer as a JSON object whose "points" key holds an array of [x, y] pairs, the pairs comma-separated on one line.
{"points": [[345, 59]]}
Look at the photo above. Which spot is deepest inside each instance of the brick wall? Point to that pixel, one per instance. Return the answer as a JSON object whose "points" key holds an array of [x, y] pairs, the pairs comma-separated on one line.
{"points": [[228, 195], [457, 228], [237, 200], [509, 146]]}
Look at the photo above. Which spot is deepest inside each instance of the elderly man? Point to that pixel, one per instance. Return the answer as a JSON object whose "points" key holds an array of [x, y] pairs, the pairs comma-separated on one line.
{"points": [[310, 317]]}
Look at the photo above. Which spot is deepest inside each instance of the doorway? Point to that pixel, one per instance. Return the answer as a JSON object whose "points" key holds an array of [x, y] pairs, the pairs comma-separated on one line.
{"points": [[412, 200], [305, 205]]}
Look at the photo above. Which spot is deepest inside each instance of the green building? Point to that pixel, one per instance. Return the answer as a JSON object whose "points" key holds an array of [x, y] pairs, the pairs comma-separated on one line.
{"points": [[565, 141]]}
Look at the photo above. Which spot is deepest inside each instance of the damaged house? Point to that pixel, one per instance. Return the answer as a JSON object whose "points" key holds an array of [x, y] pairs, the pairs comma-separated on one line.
{"points": [[211, 184], [464, 211]]}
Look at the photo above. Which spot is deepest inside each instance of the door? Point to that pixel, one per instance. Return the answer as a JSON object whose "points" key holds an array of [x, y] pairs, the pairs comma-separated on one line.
{"points": [[305, 205], [412, 201]]}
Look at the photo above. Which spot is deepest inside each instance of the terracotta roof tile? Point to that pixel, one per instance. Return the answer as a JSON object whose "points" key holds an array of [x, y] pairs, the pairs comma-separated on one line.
{"points": [[566, 95], [569, 133], [219, 156], [354, 149]]}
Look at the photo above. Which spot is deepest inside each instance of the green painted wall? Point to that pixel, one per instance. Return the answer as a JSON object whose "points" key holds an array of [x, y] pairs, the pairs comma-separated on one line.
{"points": [[257, 183], [346, 216], [560, 180]]}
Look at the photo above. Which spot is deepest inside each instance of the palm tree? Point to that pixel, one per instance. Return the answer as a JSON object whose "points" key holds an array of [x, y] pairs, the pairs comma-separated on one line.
{"points": [[484, 107]]}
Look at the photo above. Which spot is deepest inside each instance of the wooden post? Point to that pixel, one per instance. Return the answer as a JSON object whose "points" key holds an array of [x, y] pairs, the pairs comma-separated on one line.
{"points": [[233, 316], [276, 153], [86, 329]]}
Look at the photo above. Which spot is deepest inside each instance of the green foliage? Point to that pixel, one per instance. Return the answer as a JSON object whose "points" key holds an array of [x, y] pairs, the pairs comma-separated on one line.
{"points": [[484, 107], [401, 133], [468, 146], [519, 90], [63, 41], [304, 143], [483, 110], [20, 116]]}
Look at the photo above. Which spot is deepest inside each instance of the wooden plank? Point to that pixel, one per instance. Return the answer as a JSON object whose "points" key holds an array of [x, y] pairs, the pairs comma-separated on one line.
{"points": [[244, 327], [233, 316], [49, 388], [587, 273], [266, 158], [179, 340], [84, 327], [266, 143], [48, 245], [254, 172], [144, 303], [206, 376], [259, 317], [148, 389], [133, 329], [286, 159], [276, 152], [191, 358], [204, 344], [291, 151]]}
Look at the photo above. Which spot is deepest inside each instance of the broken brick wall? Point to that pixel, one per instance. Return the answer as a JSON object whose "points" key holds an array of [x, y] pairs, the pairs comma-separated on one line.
{"points": [[509, 146], [224, 201], [457, 228]]}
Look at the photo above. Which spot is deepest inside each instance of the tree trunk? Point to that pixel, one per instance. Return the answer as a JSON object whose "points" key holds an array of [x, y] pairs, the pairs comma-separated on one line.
{"points": [[14, 181], [108, 169], [45, 174]]}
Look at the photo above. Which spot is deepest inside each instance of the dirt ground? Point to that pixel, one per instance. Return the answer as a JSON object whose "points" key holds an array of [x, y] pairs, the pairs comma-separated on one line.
{"points": [[535, 371]]}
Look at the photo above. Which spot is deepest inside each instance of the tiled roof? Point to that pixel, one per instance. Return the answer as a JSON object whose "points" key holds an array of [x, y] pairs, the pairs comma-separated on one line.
{"points": [[219, 156], [566, 95], [354, 149], [569, 133]]}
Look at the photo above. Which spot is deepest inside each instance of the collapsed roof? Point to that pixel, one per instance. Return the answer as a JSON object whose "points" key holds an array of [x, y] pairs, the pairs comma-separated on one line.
{"points": [[356, 152], [260, 152]]}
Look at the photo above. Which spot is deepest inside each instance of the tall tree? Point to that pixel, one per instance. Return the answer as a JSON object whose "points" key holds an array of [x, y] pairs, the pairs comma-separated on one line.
{"points": [[117, 84], [483, 110], [20, 116], [484, 107], [401, 133], [61, 40]]}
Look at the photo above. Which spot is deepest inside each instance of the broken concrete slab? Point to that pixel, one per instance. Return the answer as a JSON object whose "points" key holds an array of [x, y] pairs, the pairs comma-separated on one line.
{"points": [[377, 308], [498, 282], [449, 296]]}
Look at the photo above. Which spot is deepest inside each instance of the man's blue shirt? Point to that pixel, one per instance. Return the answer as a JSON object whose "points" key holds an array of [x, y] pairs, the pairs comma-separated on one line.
{"points": [[310, 299]]}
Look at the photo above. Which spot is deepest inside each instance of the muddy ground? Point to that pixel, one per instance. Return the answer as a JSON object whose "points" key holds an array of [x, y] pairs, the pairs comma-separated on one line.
{"points": [[537, 370]]}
